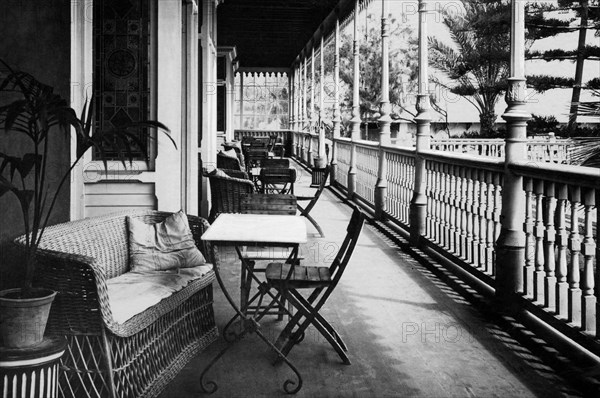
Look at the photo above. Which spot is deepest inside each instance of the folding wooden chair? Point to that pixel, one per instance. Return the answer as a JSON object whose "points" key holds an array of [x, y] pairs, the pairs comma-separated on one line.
{"points": [[276, 163], [289, 279], [305, 211], [277, 180]]}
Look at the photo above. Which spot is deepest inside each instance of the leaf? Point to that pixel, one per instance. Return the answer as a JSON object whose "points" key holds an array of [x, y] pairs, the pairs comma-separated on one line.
{"points": [[28, 162]]}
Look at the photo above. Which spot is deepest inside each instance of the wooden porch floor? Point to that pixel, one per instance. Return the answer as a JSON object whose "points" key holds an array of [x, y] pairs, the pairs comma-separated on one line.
{"points": [[408, 331]]}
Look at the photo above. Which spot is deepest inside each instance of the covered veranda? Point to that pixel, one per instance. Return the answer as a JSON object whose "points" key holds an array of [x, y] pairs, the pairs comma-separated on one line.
{"points": [[475, 276], [413, 328]]}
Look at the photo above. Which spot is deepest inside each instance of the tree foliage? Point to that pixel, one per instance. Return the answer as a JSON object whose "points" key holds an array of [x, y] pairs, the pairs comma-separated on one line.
{"points": [[402, 73], [478, 68]]}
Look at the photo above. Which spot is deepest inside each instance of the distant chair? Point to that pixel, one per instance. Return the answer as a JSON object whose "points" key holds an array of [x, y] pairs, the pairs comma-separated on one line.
{"points": [[226, 190], [305, 211], [227, 162], [276, 163], [277, 180]]}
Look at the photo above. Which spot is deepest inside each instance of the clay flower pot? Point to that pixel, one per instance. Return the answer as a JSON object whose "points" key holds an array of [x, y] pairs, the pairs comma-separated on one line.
{"points": [[23, 321]]}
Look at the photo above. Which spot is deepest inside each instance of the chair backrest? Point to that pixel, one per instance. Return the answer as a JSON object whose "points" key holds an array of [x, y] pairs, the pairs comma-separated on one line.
{"points": [[320, 189], [228, 162], [226, 190], [268, 204], [255, 156], [279, 176], [338, 266], [273, 163]]}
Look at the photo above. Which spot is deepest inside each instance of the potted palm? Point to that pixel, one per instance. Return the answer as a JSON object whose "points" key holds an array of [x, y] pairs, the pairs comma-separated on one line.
{"points": [[31, 110]]}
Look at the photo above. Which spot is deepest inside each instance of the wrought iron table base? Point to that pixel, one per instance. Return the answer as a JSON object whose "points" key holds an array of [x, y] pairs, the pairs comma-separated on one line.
{"points": [[249, 325]]}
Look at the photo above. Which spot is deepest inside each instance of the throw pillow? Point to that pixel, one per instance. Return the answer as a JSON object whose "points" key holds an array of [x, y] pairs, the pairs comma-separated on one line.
{"points": [[163, 246]]}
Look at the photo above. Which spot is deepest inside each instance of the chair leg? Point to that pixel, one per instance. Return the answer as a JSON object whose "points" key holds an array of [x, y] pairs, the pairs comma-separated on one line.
{"points": [[314, 223], [310, 315]]}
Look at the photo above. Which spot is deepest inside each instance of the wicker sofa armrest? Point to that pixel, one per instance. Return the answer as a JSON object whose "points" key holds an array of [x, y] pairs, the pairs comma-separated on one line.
{"points": [[81, 305]]}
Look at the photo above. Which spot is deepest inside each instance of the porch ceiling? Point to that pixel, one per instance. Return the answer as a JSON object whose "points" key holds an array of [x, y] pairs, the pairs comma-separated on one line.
{"points": [[270, 33]]}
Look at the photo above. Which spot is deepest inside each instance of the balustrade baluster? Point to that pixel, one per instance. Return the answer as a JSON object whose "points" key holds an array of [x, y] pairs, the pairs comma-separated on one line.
{"points": [[574, 273], [474, 219], [561, 242], [443, 198], [482, 209], [437, 203], [464, 193], [447, 206], [451, 209], [429, 222], [457, 211], [490, 237], [549, 239], [588, 249], [538, 285], [528, 227], [498, 181]]}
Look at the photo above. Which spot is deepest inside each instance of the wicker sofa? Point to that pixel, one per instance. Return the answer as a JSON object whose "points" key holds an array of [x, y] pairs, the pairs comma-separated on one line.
{"points": [[136, 358]]}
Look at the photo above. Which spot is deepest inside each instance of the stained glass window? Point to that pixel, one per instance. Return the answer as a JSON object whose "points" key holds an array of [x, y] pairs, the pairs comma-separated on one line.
{"points": [[121, 66]]}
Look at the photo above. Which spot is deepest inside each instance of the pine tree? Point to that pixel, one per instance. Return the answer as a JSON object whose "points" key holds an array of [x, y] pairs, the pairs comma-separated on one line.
{"points": [[541, 24]]}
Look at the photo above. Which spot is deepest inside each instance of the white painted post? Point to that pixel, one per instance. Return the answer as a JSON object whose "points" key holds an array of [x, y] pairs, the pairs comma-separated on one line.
{"points": [[321, 160], [355, 121], [312, 106], [418, 204], [510, 246], [337, 119], [384, 119]]}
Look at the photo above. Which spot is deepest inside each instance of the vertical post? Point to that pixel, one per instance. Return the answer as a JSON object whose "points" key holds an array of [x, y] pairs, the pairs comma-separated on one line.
{"points": [[241, 92], [312, 107], [384, 119], [337, 119], [355, 121], [418, 203], [291, 109], [305, 127], [510, 246], [321, 161]]}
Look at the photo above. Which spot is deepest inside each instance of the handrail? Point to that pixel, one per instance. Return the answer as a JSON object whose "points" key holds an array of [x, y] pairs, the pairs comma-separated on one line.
{"points": [[491, 164], [561, 173]]}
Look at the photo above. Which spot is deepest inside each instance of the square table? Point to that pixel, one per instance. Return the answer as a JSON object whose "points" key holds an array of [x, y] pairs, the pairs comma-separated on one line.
{"points": [[254, 230]]}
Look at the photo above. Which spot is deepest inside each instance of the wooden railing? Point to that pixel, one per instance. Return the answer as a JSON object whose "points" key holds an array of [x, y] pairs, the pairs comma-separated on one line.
{"points": [[463, 219]]}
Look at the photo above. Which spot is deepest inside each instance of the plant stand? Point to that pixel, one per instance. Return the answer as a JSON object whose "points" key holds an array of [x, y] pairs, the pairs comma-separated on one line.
{"points": [[31, 372]]}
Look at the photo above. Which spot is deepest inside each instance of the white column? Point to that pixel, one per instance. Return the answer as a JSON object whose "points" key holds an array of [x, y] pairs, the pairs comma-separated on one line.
{"points": [[337, 119], [355, 121], [321, 161], [510, 247], [418, 205], [311, 118], [384, 119]]}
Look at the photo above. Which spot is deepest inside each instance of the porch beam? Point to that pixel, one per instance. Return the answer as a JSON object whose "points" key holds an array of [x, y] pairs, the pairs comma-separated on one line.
{"points": [[418, 204], [510, 246], [384, 119]]}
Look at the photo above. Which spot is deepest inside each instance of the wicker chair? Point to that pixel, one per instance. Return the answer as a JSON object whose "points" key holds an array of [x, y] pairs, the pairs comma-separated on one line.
{"points": [[226, 190], [228, 162], [108, 359]]}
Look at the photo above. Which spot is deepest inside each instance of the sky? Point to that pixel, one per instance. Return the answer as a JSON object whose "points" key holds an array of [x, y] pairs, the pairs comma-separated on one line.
{"points": [[552, 102]]}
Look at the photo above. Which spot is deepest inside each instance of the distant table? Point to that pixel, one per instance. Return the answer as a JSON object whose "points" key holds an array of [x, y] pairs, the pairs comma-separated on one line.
{"points": [[254, 230]]}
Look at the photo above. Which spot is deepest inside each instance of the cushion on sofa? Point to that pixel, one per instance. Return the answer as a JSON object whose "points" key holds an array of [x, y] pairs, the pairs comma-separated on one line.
{"points": [[133, 292], [163, 246]]}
